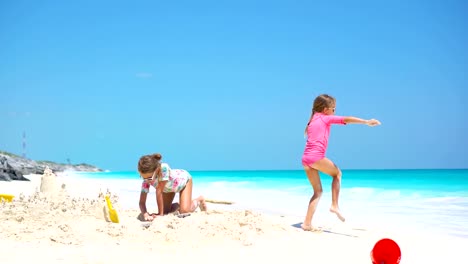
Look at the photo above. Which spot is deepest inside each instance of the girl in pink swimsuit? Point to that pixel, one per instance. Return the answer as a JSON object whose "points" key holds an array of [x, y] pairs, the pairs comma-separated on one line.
{"points": [[314, 160]]}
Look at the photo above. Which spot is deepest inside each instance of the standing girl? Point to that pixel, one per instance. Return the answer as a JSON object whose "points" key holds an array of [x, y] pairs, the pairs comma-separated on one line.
{"points": [[314, 160]]}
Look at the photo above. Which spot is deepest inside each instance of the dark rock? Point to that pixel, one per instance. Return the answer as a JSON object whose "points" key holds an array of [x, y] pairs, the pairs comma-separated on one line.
{"points": [[8, 172], [13, 167], [4, 176]]}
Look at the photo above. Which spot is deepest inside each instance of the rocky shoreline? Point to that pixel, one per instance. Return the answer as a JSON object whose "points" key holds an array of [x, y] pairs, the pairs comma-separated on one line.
{"points": [[13, 167]]}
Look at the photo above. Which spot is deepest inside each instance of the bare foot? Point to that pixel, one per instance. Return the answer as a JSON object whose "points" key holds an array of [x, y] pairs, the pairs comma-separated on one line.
{"points": [[310, 228], [338, 213], [200, 203], [203, 206]]}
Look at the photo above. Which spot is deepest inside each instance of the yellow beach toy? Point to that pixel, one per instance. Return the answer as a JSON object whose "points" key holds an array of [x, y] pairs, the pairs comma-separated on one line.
{"points": [[6, 197], [114, 217]]}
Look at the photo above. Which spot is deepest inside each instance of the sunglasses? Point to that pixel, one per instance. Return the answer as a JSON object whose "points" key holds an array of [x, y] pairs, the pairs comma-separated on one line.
{"points": [[150, 178]]}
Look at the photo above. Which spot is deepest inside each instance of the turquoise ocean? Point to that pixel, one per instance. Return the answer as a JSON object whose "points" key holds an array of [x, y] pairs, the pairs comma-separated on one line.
{"points": [[407, 200]]}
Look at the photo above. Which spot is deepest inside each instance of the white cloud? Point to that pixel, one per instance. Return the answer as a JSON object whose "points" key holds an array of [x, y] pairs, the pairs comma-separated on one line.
{"points": [[144, 75]]}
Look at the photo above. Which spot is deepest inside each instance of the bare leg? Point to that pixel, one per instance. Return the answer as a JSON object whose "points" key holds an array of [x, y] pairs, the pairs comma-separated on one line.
{"points": [[336, 185], [327, 166], [314, 179], [187, 205]]}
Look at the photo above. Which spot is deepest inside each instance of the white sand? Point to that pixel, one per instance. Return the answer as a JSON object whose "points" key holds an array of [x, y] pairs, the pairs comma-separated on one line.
{"points": [[59, 226]]}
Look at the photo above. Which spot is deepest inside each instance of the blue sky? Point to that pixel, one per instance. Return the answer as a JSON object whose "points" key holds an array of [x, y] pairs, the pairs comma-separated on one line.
{"points": [[229, 84]]}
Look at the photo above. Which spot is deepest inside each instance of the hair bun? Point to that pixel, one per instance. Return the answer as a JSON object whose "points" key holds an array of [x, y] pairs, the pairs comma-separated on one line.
{"points": [[157, 156]]}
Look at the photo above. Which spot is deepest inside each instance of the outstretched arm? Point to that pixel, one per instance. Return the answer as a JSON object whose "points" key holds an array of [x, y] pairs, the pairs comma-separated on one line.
{"points": [[356, 120]]}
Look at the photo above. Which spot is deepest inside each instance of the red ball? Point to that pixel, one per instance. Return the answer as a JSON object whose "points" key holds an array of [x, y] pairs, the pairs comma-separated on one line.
{"points": [[386, 251]]}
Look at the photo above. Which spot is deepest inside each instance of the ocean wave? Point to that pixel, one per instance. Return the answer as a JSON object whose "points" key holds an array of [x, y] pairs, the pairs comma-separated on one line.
{"points": [[448, 199], [360, 190], [299, 189], [228, 184]]}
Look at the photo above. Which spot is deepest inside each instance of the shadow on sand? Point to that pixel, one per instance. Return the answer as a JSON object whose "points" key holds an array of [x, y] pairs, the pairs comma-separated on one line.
{"points": [[327, 230]]}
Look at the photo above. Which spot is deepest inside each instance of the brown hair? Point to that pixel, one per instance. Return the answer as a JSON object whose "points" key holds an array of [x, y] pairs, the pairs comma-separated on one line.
{"points": [[150, 163], [320, 103]]}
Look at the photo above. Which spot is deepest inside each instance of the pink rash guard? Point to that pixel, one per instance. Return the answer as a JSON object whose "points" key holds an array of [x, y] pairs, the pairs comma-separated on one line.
{"points": [[318, 132]]}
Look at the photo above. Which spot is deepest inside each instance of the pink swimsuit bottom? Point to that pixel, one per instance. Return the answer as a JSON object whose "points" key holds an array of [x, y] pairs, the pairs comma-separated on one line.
{"points": [[309, 160]]}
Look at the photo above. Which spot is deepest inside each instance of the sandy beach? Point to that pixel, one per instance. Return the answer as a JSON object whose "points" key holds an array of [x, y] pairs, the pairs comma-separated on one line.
{"points": [[51, 222]]}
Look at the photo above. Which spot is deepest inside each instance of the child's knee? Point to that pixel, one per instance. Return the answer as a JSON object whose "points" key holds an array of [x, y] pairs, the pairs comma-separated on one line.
{"points": [[184, 210], [318, 193], [338, 174], [187, 208]]}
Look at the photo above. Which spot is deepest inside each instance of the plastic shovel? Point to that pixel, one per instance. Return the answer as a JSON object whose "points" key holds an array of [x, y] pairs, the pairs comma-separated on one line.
{"points": [[114, 217], [6, 197]]}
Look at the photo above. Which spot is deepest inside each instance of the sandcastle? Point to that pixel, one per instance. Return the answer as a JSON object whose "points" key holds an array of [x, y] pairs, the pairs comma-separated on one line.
{"points": [[48, 182]]}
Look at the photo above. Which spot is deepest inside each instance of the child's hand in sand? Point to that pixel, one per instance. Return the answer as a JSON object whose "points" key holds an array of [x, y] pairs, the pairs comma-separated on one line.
{"points": [[148, 217]]}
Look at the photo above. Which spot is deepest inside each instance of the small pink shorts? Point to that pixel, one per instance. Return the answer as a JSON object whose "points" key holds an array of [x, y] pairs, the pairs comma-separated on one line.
{"points": [[309, 160]]}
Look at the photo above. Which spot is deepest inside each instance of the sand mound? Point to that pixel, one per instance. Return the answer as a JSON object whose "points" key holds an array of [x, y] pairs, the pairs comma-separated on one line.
{"points": [[71, 221], [49, 182]]}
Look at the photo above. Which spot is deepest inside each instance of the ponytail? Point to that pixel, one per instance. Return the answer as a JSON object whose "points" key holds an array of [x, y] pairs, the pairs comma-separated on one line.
{"points": [[320, 103], [157, 157]]}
